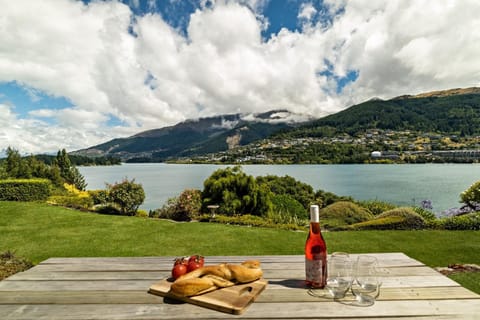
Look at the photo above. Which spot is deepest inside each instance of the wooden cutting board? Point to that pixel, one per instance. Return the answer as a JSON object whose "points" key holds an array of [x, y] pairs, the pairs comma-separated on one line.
{"points": [[232, 300]]}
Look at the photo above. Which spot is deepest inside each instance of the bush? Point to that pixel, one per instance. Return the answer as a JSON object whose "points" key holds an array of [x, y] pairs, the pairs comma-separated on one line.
{"points": [[188, 205], [71, 201], [471, 196], [376, 207], [141, 214], [127, 195], [108, 209], [395, 219], [25, 189], [185, 207], [289, 186], [343, 213], [236, 193], [167, 210], [469, 221], [99, 196], [284, 204], [72, 198], [427, 215]]}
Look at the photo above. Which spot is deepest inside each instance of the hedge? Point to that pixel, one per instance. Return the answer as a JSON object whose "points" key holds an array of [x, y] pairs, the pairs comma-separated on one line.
{"points": [[24, 189]]}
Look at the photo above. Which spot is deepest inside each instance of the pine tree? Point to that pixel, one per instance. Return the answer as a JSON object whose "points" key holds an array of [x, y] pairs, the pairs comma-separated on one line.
{"points": [[68, 171]]}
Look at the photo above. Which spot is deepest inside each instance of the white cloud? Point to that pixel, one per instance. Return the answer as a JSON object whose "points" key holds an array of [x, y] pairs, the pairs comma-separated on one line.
{"points": [[307, 11], [159, 77]]}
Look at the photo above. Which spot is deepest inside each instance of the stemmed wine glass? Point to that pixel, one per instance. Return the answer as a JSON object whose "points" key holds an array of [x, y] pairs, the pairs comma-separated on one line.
{"points": [[366, 285]]}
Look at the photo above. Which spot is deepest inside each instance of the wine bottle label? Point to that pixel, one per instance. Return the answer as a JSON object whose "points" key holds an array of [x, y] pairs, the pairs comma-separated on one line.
{"points": [[314, 272]]}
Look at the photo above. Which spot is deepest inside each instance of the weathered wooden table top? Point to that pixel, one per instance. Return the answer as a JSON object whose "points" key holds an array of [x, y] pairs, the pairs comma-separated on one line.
{"points": [[116, 288]]}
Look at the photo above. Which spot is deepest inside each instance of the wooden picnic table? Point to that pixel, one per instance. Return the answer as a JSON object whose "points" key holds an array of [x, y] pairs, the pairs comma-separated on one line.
{"points": [[116, 288]]}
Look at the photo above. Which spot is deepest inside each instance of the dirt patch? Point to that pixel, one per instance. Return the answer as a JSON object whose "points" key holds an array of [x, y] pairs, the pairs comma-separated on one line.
{"points": [[458, 268], [11, 264]]}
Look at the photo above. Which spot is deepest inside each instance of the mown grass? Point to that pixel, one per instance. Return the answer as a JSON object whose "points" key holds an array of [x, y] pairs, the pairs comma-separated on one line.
{"points": [[38, 231]]}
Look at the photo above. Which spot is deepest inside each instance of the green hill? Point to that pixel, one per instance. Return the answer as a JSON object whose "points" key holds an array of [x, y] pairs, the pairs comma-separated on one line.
{"points": [[457, 114]]}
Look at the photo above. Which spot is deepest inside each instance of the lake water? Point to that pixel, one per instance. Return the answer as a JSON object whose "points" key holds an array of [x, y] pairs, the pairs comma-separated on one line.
{"points": [[401, 184]]}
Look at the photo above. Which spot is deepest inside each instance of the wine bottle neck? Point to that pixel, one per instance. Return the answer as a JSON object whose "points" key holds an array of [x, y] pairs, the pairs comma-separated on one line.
{"points": [[315, 227]]}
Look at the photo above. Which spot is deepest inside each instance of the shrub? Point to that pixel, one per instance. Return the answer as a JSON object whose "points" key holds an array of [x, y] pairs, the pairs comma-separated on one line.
{"points": [[73, 198], [469, 221], [471, 196], [167, 210], [343, 213], [427, 215], [71, 201], [289, 186], [284, 204], [236, 193], [376, 207], [24, 189], [108, 209], [99, 196], [396, 219], [187, 205], [141, 214], [127, 195]]}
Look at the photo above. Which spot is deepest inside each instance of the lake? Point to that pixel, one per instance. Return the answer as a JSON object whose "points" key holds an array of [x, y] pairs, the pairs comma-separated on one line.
{"points": [[401, 184]]}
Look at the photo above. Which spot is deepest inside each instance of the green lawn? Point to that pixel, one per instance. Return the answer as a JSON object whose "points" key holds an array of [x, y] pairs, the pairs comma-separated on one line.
{"points": [[38, 231]]}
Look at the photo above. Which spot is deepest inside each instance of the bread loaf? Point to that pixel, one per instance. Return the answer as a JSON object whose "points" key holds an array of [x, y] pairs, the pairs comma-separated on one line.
{"points": [[210, 278]]}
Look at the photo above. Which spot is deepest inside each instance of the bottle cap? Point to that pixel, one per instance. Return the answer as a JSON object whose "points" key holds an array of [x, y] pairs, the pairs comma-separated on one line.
{"points": [[314, 213]]}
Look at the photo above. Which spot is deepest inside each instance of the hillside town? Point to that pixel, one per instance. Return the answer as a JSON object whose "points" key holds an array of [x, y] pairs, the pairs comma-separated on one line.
{"points": [[373, 145]]}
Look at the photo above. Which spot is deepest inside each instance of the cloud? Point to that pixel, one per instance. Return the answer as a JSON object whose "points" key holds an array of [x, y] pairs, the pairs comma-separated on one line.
{"points": [[307, 11], [111, 64]]}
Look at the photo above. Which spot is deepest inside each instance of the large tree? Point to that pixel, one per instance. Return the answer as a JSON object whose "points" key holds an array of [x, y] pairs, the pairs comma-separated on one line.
{"points": [[236, 193]]}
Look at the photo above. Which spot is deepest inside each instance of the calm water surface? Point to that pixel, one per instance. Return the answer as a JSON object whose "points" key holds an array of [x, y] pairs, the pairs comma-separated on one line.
{"points": [[402, 184]]}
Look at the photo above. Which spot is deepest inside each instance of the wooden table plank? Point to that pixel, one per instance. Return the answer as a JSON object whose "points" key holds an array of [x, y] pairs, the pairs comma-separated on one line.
{"points": [[287, 310], [39, 273], [291, 295]]}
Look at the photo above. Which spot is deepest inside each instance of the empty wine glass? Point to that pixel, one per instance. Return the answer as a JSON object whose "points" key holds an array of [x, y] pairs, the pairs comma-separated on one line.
{"points": [[340, 274], [366, 285]]}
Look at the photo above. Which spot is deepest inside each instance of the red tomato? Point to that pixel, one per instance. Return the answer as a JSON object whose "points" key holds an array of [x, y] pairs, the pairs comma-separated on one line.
{"points": [[179, 270], [195, 262], [179, 267], [182, 260]]}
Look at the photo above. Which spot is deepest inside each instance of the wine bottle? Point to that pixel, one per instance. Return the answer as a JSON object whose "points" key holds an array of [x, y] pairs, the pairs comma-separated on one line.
{"points": [[315, 253]]}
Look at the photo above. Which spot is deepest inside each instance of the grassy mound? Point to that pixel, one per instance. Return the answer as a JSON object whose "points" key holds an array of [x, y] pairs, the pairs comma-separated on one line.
{"points": [[343, 213], [395, 219]]}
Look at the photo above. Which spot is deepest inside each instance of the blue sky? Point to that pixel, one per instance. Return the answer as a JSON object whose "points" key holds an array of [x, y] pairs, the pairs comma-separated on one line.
{"points": [[77, 73]]}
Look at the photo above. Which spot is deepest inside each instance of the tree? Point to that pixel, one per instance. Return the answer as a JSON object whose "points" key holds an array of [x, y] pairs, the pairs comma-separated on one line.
{"points": [[287, 185], [127, 195], [471, 196], [236, 193], [68, 171], [15, 166]]}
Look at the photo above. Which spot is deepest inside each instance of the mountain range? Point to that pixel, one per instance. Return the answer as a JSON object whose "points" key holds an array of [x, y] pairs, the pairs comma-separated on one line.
{"points": [[196, 137], [454, 112]]}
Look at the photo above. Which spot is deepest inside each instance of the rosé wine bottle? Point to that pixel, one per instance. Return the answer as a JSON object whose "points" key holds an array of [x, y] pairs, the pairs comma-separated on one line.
{"points": [[315, 253]]}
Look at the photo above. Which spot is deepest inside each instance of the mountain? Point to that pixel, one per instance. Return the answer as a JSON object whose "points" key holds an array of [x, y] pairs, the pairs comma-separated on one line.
{"points": [[455, 111], [195, 137]]}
